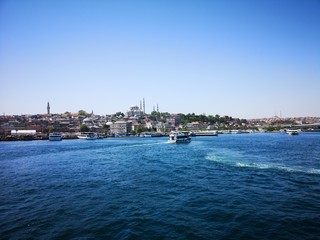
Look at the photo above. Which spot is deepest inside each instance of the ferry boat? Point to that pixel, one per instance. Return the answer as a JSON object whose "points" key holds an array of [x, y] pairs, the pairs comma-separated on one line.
{"points": [[88, 136], [55, 137], [177, 137], [292, 132]]}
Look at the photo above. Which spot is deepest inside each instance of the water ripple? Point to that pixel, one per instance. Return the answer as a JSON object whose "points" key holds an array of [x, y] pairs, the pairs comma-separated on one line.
{"points": [[230, 187]]}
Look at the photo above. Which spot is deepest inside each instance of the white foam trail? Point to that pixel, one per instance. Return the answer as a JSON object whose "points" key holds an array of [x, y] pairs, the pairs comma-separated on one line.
{"points": [[146, 144], [224, 160], [253, 165]]}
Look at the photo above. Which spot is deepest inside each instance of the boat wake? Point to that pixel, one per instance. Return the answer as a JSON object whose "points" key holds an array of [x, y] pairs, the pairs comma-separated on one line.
{"points": [[280, 168], [145, 144], [141, 144], [262, 166]]}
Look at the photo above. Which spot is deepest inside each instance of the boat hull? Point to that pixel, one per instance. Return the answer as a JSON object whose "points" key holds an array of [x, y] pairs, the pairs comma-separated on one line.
{"points": [[205, 133], [55, 137], [182, 141], [89, 136], [292, 132], [179, 138]]}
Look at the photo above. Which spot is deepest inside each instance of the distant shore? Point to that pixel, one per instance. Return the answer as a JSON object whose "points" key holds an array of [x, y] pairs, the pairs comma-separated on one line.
{"points": [[72, 136]]}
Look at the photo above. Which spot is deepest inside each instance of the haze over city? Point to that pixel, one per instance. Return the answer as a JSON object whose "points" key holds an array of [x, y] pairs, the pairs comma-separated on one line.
{"points": [[247, 59]]}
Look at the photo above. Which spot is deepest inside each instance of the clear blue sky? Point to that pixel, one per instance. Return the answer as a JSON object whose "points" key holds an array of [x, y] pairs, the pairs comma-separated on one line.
{"points": [[246, 59]]}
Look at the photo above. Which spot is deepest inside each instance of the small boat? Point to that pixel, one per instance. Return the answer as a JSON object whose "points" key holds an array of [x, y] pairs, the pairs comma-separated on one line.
{"points": [[177, 137], [292, 132], [88, 136], [55, 137]]}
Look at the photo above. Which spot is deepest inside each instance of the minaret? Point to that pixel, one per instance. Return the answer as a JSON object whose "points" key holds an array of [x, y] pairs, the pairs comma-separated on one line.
{"points": [[140, 106], [157, 107], [48, 108], [144, 106]]}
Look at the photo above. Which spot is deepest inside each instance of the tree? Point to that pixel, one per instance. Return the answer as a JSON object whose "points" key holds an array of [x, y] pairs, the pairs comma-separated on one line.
{"points": [[139, 129], [119, 114], [272, 128], [84, 128], [106, 128], [203, 118], [155, 113], [82, 112], [45, 129], [50, 129]]}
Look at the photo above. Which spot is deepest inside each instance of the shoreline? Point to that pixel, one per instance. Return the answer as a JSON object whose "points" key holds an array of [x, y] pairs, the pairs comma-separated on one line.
{"points": [[10, 138]]}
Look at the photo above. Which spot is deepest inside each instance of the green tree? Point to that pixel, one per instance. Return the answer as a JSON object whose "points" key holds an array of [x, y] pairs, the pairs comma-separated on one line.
{"points": [[82, 112], [119, 114], [106, 128], [45, 129], [50, 129], [155, 113], [139, 129], [84, 128], [203, 118], [272, 128]]}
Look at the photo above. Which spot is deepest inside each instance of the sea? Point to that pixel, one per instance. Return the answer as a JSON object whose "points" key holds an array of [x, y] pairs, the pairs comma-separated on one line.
{"points": [[238, 186]]}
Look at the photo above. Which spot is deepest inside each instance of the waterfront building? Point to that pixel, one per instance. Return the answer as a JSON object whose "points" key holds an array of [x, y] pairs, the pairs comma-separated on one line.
{"points": [[135, 126], [23, 132], [173, 120], [89, 122], [121, 127], [151, 124], [193, 125], [164, 127]]}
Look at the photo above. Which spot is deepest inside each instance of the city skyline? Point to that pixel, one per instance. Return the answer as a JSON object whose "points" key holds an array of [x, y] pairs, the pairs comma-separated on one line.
{"points": [[245, 59], [155, 108]]}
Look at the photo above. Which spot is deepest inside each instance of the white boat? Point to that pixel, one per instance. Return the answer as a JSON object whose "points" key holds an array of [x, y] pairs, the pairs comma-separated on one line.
{"points": [[204, 133], [235, 131], [177, 137], [55, 137], [146, 134], [88, 136], [152, 134], [292, 132]]}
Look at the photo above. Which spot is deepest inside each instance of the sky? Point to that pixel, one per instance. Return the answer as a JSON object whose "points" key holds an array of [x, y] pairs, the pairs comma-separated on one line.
{"points": [[246, 59]]}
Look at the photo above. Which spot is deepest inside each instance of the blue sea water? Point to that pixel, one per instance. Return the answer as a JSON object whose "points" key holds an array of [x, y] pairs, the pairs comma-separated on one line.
{"points": [[248, 186]]}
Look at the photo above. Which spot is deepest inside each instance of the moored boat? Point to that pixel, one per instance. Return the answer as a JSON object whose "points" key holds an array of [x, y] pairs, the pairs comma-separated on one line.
{"points": [[55, 136], [292, 132], [178, 137], [152, 134], [88, 136], [204, 133]]}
